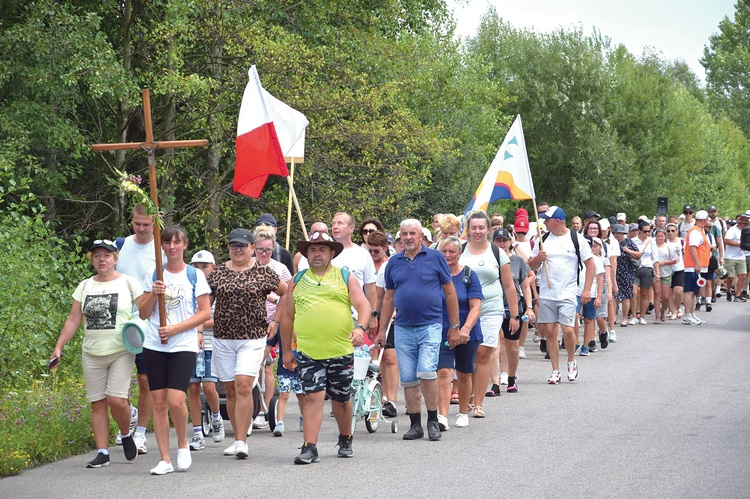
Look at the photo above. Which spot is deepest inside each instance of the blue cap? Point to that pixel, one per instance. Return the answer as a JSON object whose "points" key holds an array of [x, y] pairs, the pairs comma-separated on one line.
{"points": [[553, 212]]}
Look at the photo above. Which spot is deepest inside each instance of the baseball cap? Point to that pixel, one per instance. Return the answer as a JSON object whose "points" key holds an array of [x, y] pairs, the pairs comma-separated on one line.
{"points": [[632, 227], [203, 256], [591, 214], [604, 224], [426, 233], [621, 216], [106, 244], [619, 229], [522, 213], [241, 236], [701, 215], [266, 218], [521, 225], [501, 234], [688, 207], [553, 212], [712, 208], [597, 240]]}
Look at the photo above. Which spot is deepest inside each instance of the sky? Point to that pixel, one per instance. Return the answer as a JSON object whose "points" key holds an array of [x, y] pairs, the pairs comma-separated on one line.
{"points": [[679, 29]]}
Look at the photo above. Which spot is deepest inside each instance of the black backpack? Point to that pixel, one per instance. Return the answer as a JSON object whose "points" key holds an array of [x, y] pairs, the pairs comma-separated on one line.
{"points": [[574, 237], [745, 239]]}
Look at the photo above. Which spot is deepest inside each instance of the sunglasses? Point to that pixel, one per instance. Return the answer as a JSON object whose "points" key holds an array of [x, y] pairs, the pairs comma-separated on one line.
{"points": [[688, 212], [368, 231], [671, 230], [104, 241], [646, 231], [374, 251], [237, 246], [264, 251]]}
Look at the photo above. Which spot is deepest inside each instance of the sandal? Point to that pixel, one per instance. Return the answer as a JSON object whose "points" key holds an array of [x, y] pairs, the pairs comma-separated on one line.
{"points": [[478, 412], [454, 398]]}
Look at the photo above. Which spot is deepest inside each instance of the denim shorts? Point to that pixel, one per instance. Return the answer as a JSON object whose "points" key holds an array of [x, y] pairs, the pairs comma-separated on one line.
{"points": [[462, 358], [208, 376], [589, 311], [418, 351]]}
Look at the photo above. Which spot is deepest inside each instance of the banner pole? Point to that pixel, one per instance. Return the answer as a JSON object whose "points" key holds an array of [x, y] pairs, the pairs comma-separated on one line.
{"points": [[289, 209], [541, 246], [296, 205]]}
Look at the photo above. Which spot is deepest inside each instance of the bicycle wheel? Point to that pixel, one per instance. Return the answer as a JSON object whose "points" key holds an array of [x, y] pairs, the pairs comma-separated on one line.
{"points": [[356, 403], [374, 407], [205, 417], [273, 412]]}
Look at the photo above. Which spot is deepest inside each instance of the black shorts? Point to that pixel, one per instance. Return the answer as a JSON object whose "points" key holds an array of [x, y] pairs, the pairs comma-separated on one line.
{"points": [[678, 279], [332, 375], [389, 337], [168, 370], [506, 330], [140, 367]]}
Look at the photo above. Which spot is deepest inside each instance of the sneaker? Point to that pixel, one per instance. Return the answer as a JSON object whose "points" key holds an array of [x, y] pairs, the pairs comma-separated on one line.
{"points": [[433, 430], [592, 346], [546, 355], [309, 454], [698, 305], [698, 319], [389, 410], [415, 432], [260, 421], [555, 378], [572, 371], [128, 446], [584, 351], [345, 446], [442, 422], [642, 321], [118, 439], [709, 307], [240, 449], [740, 299], [650, 307], [503, 378], [162, 468], [713, 299], [196, 443], [279, 429], [729, 296], [612, 336], [688, 321], [140, 443], [133, 419], [543, 345], [578, 347], [536, 338], [99, 461], [633, 321], [217, 430], [521, 353], [184, 459], [604, 339], [231, 450], [462, 420]]}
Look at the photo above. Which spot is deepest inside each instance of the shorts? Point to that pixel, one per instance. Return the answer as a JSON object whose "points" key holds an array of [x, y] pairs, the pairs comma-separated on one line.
{"points": [[460, 358], [644, 277], [107, 375], [207, 354], [289, 384], [418, 351], [678, 279], [735, 267], [691, 282], [389, 337], [490, 325], [562, 312], [709, 276], [140, 367], [168, 369], [238, 357], [588, 311], [506, 330], [332, 375]]}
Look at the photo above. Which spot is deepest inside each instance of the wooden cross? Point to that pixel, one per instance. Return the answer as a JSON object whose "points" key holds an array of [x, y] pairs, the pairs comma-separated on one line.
{"points": [[150, 147]]}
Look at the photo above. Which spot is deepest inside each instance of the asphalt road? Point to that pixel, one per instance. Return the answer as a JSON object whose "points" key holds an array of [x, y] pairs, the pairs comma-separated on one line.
{"points": [[664, 412]]}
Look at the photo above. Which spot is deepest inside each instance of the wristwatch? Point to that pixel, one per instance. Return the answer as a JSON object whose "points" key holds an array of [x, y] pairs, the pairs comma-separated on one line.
{"points": [[516, 317], [375, 313], [363, 328], [456, 326]]}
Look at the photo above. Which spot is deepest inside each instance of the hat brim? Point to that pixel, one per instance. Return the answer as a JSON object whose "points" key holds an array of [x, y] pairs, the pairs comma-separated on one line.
{"points": [[133, 335], [106, 246], [336, 247]]}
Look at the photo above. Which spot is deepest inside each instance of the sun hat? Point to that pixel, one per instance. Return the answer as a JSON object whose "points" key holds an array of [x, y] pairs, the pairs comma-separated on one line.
{"points": [[320, 238]]}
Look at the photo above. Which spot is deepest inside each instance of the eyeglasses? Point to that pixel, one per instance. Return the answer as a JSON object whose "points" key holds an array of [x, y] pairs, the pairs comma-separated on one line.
{"points": [[368, 231], [264, 251], [646, 231], [374, 251], [237, 246]]}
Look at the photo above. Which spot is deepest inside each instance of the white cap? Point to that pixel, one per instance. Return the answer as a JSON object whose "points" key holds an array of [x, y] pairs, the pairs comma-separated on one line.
{"points": [[426, 232], [604, 224], [701, 215], [203, 256], [621, 216], [598, 241]]}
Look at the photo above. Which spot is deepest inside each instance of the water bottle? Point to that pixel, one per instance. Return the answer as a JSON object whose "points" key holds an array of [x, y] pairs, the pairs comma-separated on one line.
{"points": [[200, 364], [524, 318]]}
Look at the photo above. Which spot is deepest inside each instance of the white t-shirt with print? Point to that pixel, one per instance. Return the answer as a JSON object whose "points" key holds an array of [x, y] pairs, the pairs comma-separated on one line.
{"points": [[562, 265]]}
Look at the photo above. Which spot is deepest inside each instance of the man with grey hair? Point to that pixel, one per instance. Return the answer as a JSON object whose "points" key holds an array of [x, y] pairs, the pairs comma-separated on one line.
{"points": [[415, 281]]}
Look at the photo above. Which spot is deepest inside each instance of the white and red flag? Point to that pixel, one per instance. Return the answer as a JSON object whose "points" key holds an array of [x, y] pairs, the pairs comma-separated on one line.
{"points": [[267, 131]]}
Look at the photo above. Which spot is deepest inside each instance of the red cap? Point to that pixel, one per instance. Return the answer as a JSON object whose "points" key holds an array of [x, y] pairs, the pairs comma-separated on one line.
{"points": [[522, 213], [521, 224]]}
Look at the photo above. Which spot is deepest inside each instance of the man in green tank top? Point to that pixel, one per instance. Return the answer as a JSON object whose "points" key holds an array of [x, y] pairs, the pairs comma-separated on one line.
{"points": [[318, 311]]}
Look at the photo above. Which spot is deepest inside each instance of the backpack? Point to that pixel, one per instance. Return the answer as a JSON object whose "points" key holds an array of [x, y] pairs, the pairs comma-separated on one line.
{"points": [[467, 277], [495, 251], [192, 277], [574, 237]]}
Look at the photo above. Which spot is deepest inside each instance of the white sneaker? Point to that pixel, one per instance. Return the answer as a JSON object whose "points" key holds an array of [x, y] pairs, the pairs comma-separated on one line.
{"points": [[118, 439], [521, 353], [240, 449], [612, 336], [162, 468], [642, 322], [231, 450], [196, 443], [572, 371], [279, 429], [698, 319], [184, 459], [443, 422], [133, 419], [260, 421], [217, 430], [633, 321], [503, 378], [462, 420], [140, 443], [555, 378]]}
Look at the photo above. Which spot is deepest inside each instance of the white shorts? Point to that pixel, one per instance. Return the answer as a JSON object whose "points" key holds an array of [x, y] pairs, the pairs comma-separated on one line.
{"points": [[237, 357], [107, 375], [562, 312], [491, 325]]}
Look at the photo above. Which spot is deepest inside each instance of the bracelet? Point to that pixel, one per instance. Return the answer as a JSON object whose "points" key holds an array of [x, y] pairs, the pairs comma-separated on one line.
{"points": [[277, 323]]}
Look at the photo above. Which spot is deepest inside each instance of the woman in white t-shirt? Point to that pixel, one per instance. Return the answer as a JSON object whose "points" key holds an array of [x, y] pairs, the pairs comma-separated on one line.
{"points": [[169, 351], [490, 264], [103, 303]]}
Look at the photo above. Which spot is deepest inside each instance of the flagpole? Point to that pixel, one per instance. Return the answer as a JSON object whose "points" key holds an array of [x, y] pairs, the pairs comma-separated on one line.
{"points": [[289, 208], [541, 246], [296, 205]]}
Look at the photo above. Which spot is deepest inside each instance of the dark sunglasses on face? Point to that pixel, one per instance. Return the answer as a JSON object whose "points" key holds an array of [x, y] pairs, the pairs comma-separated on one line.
{"points": [[374, 251], [368, 231], [646, 231], [688, 212]]}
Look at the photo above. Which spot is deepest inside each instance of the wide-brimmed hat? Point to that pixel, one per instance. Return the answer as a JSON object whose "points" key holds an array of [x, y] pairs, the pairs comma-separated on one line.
{"points": [[619, 229], [320, 238]]}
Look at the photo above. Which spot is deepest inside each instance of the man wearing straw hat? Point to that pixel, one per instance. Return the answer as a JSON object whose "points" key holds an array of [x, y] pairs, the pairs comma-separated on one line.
{"points": [[318, 311]]}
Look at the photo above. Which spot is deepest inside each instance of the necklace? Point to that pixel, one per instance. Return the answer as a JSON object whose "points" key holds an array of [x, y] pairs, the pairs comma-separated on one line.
{"points": [[321, 277]]}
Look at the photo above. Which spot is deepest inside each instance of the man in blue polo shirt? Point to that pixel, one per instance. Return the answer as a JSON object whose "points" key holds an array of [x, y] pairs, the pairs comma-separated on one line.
{"points": [[415, 281]]}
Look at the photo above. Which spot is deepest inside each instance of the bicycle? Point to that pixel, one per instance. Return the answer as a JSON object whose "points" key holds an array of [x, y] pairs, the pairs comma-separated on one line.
{"points": [[367, 395]]}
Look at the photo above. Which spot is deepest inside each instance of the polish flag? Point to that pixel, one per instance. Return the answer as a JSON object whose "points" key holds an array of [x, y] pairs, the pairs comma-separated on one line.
{"points": [[267, 131]]}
